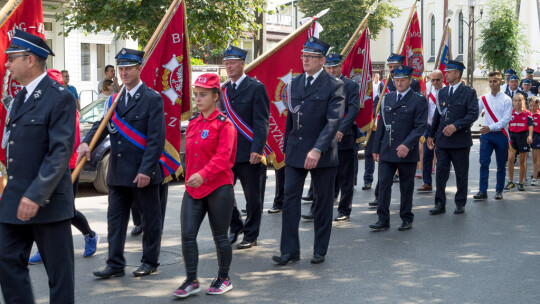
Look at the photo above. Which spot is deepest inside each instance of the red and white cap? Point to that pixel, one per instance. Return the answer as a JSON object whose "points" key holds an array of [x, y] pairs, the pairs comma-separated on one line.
{"points": [[208, 80]]}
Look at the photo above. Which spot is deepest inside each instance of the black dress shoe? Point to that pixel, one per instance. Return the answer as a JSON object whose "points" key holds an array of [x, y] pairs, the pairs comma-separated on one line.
{"points": [[233, 237], [439, 208], [375, 203], [144, 270], [246, 244], [405, 226], [481, 196], [498, 196], [459, 210], [109, 272], [274, 210], [307, 198], [366, 186], [308, 216], [286, 258], [380, 226], [342, 217], [136, 231], [317, 259]]}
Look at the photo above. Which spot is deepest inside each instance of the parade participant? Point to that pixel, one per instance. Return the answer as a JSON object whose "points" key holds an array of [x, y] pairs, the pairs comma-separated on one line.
{"points": [[402, 121], [134, 172], [513, 87], [457, 110], [316, 102], [247, 105], [535, 85], [433, 88], [210, 152], [37, 203], [521, 134], [507, 74], [277, 207], [526, 85], [534, 103], [494, 136]]}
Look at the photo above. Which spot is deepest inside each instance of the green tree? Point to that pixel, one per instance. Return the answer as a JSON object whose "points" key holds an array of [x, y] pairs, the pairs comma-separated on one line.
{"points": [[212, 23], [502, 40], [345, 16]]}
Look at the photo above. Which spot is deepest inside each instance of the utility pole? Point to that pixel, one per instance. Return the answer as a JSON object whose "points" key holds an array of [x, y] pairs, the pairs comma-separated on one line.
{"points": [[470, 56]]}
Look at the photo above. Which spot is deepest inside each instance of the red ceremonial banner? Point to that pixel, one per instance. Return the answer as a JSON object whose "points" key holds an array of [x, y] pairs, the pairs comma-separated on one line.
{"points": [[276, 72], [27, 16], [357, 67], [413, 51], [167, 70], [447, 54]]}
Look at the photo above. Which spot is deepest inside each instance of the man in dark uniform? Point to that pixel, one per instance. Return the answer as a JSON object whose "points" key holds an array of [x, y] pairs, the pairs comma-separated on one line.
{"points": [[315, 103], [534, 83], [513, 88], [37, 204], [249, 104], [507, 74], [457, 110], [134, 172], [396, 146]]}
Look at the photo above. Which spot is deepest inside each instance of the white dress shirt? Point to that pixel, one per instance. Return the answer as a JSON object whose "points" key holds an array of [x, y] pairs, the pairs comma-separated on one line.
{"points": [[33, 85], [314, 76], [501, 106], [239, 81], [432, 107], [133, 91], [453, 87]]}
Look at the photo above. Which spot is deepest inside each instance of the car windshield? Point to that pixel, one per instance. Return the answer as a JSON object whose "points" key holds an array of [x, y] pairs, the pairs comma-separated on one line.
{"points": [[92, 112]]}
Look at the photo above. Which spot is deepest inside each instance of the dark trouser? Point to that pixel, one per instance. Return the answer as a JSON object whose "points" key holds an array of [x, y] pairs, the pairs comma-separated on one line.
{"points": [[336, 192], [280, 188], [136, 214], [264, 177], [218, 205], [55, 244], [406, 187], [427, 161], [345, 180], [355, 176], [323, 188], [369, 163], [163, 196], [460, 161], [120, 200], [250, 178], [488, 142]]}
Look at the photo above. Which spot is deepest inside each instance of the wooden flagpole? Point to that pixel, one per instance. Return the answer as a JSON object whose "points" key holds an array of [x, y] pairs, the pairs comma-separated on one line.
{"points": [[354, 37], [283, 42], [441, 46], [400, 45], [8, 9], [147, 51]]}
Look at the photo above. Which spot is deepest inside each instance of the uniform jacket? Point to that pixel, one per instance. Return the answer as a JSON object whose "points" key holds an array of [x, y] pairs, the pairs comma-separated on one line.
{"points": [[251, 103], [320, 113], [145, 114], [408, 119], [534, 86], [352, 107], [461, 111], [415, 86], [40, 146]]}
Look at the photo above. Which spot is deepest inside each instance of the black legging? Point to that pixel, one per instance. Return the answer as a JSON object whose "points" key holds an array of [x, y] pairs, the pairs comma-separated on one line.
{"points": [[79, 220], [219, 205]]}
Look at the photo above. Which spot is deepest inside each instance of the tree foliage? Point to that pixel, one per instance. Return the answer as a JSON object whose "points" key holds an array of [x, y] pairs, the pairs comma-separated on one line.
{"points": [[345, 16], [210, 22], [502, 40]]}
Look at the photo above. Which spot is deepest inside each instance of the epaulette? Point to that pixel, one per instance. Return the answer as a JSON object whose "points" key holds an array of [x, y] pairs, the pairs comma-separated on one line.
{"points": [[221, 117], [194, 116], [155, 91]]}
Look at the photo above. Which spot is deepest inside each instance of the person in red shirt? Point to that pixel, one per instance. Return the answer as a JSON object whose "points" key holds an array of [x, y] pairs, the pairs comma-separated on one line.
{"points": [[210, 155], [533, 105], [521, 132]]}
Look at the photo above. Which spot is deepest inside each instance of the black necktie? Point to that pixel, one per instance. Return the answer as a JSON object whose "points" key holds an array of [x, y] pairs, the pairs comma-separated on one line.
{"points": [[128, 100], [399, 97], [451, 91], [512, 95], [309, 79], [234, 86], [19, 100]]}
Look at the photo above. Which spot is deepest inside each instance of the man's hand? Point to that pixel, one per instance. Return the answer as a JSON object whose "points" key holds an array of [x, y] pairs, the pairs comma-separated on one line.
{"points": [[312, 159], [255, 158], [195, 180], [485, 130], [84, 150], [376, 157], [402, 151], [339, 136], [141, 180], [430, 143], [27, 209], [449, 130]]}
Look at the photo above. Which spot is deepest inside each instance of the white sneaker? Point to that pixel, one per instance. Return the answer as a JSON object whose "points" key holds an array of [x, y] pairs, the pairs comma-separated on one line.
{"points": [[418, 173], [533, 182]]}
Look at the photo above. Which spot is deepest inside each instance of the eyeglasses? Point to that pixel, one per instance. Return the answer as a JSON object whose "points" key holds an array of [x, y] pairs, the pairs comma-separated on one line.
{"points": [[435, 79], [309, 57], [11, 58]]}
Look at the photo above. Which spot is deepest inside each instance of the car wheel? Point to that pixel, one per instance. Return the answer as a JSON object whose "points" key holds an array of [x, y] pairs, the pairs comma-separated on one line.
{"points": [[101, 177]]}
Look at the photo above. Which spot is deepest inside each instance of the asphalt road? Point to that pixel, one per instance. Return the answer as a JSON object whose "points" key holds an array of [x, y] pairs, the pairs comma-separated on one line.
{"points": [[490, 254]]}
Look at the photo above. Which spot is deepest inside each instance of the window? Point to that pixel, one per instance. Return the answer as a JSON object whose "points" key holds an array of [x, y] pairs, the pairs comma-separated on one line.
{"points": [[100, 67], [48, 26], [432, 49], [248, 46], [460, 33], [85, 62]]}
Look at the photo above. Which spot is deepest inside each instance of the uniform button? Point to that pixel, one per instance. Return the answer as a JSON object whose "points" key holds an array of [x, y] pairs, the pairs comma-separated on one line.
{"points": [[11, 177], [119, 155], [14, 125], [196, 142], [200, 131], [195, 154], [204, 120], [123, 117], [300, 126], [302, 101], [136, 116], [300, 113], [11, 142], [392, 121], [206, 180], [300, 138], [153, 173], [119, 142], [47, 201], [11, 160], [33, 120], [195, 167]]}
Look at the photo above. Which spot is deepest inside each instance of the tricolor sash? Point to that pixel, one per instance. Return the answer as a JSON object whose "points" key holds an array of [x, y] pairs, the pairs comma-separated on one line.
{"points": [[238, 123], [387, 89], [166, 161], [486, 105]]}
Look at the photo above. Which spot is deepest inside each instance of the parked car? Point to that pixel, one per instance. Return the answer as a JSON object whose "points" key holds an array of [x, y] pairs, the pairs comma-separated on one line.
{"points": [[95, 170]]}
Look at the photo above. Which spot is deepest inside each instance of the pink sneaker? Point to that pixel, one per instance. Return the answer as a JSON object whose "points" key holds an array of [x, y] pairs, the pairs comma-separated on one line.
{"points": [[186, 289], [418, 173], [219, 286]]}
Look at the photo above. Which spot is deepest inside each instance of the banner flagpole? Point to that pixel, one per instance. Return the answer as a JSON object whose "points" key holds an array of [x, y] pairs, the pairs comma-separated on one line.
{"points": [[8, 8], [441, 46], [147, 50], [400, 45], [354, 37]]}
